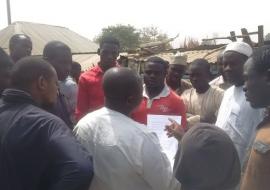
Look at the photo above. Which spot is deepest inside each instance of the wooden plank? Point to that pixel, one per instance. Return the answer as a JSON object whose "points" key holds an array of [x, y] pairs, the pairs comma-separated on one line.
{"points": [[252, 33], [230, 37], [242, 36], [218, 38]]}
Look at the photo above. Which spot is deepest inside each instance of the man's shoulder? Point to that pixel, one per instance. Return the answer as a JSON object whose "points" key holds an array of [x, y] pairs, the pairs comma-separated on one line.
{"points": [[94, 114], [217, 90], [140, 131], [92, 73], [107, 120], [186, 84], [261, 143], [105, 115], [229, 91], [68, 86], [44, 116], [70, 82], [217, 81], [264, 131], [173, 96], [186, 93], [31, 116], [91, 119]]}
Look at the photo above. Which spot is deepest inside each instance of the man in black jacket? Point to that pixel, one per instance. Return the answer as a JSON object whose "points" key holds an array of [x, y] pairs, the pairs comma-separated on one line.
{"points": [[37, 149]]}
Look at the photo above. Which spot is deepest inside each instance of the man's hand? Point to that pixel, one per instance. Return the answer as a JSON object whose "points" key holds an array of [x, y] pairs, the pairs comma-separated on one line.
{"points": [[174, 130]]}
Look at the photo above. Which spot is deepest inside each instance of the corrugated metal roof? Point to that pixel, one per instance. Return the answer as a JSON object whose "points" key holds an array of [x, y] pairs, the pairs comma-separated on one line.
{"points": [[42, 34], [209, 55]]}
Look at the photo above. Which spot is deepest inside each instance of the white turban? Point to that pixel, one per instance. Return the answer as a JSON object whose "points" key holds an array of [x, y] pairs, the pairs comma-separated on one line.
{"points": [[239, 47]]}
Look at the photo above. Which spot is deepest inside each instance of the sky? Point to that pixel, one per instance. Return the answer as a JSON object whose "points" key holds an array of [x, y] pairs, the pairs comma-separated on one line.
{"points": [[188, 18]]}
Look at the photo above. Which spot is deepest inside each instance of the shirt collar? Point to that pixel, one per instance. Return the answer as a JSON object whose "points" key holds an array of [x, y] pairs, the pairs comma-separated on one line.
{"points": [[164, 93], [17, 96], [99, 70]]}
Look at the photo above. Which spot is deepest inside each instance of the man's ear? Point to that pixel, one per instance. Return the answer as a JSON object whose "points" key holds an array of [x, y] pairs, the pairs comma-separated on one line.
{"points": [[166, 71], [130, 100], [133, 101], [42, 83], [98, 51]]}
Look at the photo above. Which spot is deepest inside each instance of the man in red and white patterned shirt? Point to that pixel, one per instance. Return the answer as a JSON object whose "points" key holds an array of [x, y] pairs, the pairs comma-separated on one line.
{"points": [[158, 98]]}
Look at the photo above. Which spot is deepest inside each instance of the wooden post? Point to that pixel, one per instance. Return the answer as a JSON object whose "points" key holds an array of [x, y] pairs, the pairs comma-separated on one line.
{"points": [[246, 37], [233, 36], [8, 12], [260, 35]]}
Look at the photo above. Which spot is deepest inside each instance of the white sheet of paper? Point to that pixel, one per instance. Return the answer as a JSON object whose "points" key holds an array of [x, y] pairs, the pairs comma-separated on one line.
{"points": [[156, 124]]}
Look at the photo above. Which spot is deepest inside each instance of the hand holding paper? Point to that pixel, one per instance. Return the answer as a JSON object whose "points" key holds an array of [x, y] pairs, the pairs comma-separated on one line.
{"points": [[174, 130]]}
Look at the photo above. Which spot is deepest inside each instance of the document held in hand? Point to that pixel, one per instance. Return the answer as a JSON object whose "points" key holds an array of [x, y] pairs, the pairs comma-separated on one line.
{"points": [[156, 124]]}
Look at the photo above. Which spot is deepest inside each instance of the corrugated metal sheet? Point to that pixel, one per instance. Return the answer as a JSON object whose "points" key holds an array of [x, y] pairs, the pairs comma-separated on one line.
{"points": [[42, 34]]}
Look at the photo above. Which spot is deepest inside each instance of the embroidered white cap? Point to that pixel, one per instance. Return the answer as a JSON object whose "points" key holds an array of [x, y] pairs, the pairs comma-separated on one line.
{"points": [[239, 47]]}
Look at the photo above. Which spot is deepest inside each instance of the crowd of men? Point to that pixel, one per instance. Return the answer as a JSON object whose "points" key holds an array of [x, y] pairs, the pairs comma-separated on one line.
{"points": [[66, 130]]}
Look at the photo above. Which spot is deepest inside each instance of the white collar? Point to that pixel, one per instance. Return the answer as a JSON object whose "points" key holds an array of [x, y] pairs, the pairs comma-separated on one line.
{"points": [[164, 93], [108, 110]]}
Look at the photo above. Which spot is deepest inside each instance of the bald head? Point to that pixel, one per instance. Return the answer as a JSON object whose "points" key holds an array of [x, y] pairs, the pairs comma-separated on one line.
{"points": [[54, 48], [122, 89], [59, 56], [37, 77], [20, 45], [35, 67]]}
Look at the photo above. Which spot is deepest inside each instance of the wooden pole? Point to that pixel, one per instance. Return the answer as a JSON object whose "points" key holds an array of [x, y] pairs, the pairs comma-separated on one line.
{"points": [[8, 12], [246, 36], [260, 35], [233, 36]]}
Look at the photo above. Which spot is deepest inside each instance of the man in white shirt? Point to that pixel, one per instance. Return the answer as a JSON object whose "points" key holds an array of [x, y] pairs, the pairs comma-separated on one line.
{"points": [[236, 117], [221, 81], [125, 154]]}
